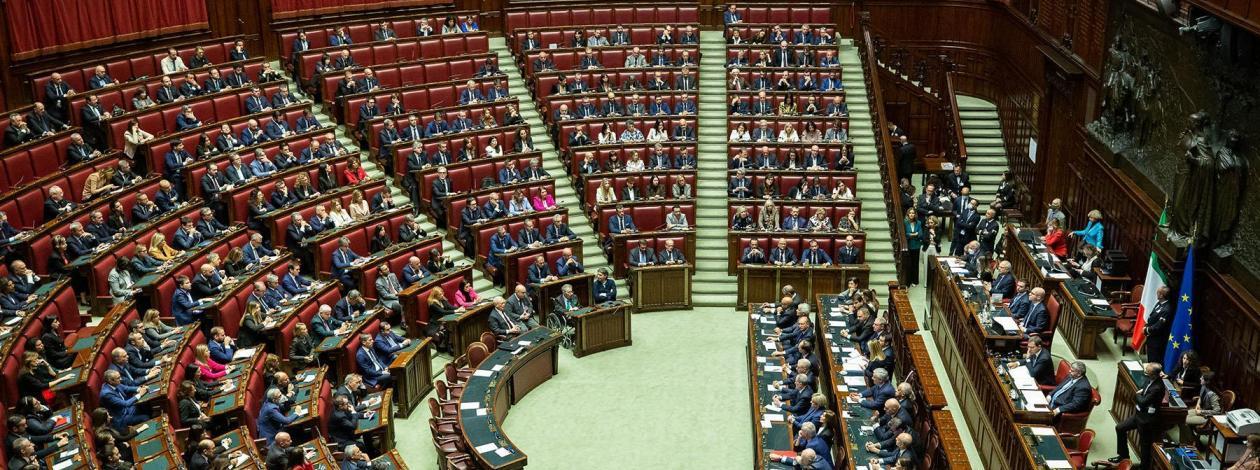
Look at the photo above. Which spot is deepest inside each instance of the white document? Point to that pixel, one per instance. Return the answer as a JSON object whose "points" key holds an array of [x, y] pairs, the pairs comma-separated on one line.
{"points": [[1043, 431], [855, 381], [1058, 464], [761, 360], [773, 368], [486, 447], [243, 353], [765, 424], [1133, 365], [483, 373], [469, 405], [497, 368], [502, 452], [774, 408], [64, 464], [1007, 323], [772, 417], [524, 343], [1023, 380], [1098, 302], [481, 411], [1035, 399], [769, 345]]}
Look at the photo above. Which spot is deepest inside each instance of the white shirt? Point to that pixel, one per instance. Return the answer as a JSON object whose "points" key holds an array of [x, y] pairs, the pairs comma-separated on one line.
{"points": [[737, 136]]}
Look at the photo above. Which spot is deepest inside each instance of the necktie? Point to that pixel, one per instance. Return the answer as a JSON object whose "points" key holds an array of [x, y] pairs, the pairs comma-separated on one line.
{"points": [[372, 355], [1054, 399]]}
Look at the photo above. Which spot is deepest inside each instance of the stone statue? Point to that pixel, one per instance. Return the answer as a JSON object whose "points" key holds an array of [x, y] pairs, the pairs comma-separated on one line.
{"points": [[1192, 201], [1231, 184]]}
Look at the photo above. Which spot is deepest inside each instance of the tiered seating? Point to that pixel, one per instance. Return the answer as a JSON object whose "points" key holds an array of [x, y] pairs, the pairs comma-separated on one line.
{"points": [[320, 38], [629, 14], [475, 112], [161, 120], [758, 15], [120, 95], [413, 98]]}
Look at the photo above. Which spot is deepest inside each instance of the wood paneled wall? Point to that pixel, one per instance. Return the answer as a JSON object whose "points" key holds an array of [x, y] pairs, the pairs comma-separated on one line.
{"points": [[1046, 89]]}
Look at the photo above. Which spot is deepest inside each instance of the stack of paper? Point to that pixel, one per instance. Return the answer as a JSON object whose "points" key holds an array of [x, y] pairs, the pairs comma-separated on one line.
{"points": [[1043, 431], [773, 368], [482, 373], [1007, 323], [855, 381], [1023, 379], [1035, 400]]}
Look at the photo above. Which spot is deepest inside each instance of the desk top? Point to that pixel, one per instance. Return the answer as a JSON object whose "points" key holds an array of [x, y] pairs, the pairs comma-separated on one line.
{"points": [[1137, 380], [975, 295], [477, 416], [390, 461], [847, 371], [773, 433], [1045, 447]]}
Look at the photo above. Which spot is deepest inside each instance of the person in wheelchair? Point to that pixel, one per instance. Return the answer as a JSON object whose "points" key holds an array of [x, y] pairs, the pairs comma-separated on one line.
{"points": [[561, 306]]}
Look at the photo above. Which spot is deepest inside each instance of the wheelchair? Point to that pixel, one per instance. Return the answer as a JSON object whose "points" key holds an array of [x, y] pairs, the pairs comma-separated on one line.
{"points": [[563, 324]]}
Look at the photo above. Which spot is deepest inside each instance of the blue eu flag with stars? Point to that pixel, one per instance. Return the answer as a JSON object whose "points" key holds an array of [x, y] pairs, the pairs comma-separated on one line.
{"points": [[1182, 337]]}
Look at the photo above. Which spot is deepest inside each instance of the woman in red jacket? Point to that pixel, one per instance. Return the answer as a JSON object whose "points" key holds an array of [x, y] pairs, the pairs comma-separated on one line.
{"points": [[1056, 240], [354, 172], [210, 371]]}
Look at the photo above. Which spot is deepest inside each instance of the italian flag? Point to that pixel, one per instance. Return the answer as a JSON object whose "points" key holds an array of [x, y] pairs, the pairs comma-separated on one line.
{"points": [[1155, 279]]}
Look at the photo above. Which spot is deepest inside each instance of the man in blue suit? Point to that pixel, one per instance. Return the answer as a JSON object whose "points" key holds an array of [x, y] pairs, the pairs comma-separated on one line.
{"points": [[501, 243], [1037, 318], [471, 94], [1019, 303], [814, 255], [374, 369], [271, 419], [794, 221], [183, 307], [795, 400], [1037, 359], [129, 374], [539, 272], [642, 255], [782, 255], [605, 288], [414, 271], [559, 231], [877, 395], [731, 15], [186, 236], [293, 282], [568, 264], [254, 251], [342, 259], [120, 400], [221, 346], [388, 343], [621, 222], [352, 306], [1074, 394]]}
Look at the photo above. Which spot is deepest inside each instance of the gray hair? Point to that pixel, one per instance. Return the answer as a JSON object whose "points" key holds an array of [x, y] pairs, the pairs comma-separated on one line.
{"points": [[880, 374]]}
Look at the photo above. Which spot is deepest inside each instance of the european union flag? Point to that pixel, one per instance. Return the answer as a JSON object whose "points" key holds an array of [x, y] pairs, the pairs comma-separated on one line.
{"points": [[1182, 337]]}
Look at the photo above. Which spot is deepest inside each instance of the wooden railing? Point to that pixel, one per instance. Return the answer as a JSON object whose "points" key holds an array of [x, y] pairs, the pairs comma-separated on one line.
{"points": [[888, 160], [957, 144]]}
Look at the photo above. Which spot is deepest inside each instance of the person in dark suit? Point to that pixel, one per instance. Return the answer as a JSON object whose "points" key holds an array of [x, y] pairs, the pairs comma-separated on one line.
{"points": [[276, 459], [848, 253], [965, 227], [375, 369], [605, 287], [501, 323], [1159, 326], [1146, 420], [1004, 282], [539, 272], [1074, 394], [1037, 359], [782, 254], [345, 420], [907, 155], [521, 309], [342, 259], [642, 255], [1037, 318]]}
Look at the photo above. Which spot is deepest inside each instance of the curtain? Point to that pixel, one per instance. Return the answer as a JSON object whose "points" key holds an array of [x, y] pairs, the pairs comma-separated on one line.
{"points": [[39, 27]]}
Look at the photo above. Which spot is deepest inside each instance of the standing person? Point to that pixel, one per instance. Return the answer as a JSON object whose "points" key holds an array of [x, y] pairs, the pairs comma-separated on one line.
{"points": [[1146, 420], [914, 244]]}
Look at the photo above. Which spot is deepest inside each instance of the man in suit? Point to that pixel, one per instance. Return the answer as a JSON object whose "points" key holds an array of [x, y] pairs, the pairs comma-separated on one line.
{"points": [[1037, 318], [877, 396], [342, 259], [987, 231], [605, 289], [1146, 420], [568, 264], [120, 399], [559, 231], [521, 309], [276, 458], [186, 236], [255, 252], [1074, 394], [815, 256], [293, 282], [907, 155], [272, 419], [782, 254], [671, 255], [57, 204], [753, 254], [374, 369], [1159, 326], [131, 374], [344, 422], [387, 289], [207, 282], [740, 185], [352, 306], [142, 262], [528, 236], [501, 323], [1020, 302], [1004, 282], [183, 307], [539, 272], [414, 272], [389, 343], [566, 302], [1037, 360], [642, 255], [323, 325], [167, 198], [965, 226], [849, 253], [794, 221], [221, 346]]}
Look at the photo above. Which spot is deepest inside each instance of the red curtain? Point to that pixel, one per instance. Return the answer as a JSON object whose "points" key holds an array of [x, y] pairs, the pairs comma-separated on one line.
{"points": [[40, 27]]}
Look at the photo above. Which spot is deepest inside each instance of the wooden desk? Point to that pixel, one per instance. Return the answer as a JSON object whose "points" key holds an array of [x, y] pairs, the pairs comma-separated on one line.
{"points": [[547, 291], [1225, 445], [1171, 413], [307, 385], [1080, 321], [664, 287], [332, 350], [390, 461], [1028, 258], [600, 328], [81, 437], [491, 393], [985, 401], [771, 433], [763, 283], [379, 426], [1043, 446], [240, 440], [1162, 458], [512, 260], [414, 370], [319, 455], [466, 328], [621, 255], [410, 298]]}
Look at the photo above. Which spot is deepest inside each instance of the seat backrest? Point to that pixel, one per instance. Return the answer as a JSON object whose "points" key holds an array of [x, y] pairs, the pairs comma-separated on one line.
{"points": [[477, 352]]}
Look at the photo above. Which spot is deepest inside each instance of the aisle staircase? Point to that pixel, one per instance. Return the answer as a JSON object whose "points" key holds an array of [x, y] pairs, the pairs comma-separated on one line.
{"points": [[481, 283], [870, 189], [986, 156], [592, 256], [713, 287]]}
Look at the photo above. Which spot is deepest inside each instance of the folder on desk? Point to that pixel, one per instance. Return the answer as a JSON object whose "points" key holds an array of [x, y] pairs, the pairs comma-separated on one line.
{"points": [[855, 381], [1023, 379], [1035, 400], [1007, 323], [243, 353]]}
